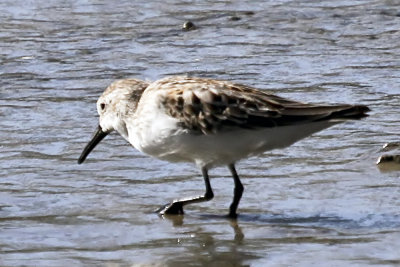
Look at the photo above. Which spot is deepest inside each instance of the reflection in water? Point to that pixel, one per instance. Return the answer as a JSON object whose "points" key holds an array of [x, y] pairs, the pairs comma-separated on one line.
{"points": [[239, 236], [205, 247], [177, 221], [321, 200]]}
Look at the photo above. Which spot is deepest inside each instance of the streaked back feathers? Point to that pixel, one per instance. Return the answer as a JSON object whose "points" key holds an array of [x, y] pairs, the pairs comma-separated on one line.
{"points": [[209, 106]]}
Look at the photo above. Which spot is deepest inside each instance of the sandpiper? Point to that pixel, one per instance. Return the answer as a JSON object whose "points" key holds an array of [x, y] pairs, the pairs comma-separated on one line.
{"points": [[208, 122]]}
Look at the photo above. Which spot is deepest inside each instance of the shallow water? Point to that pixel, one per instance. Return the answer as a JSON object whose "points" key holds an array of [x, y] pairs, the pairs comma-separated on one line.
{"points": [[322, 201]]}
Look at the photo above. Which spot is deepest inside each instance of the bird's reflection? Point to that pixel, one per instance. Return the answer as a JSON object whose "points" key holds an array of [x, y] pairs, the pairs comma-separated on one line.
{"points": [[239, 236], [177, 220], [207, 242]]}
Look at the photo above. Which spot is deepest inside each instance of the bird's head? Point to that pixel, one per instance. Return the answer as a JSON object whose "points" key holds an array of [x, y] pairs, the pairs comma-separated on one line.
{"points": [[118, 100]]}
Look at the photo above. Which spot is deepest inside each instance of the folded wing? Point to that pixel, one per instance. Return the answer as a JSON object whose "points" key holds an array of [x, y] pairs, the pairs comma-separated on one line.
{"points": [[210, 106]]}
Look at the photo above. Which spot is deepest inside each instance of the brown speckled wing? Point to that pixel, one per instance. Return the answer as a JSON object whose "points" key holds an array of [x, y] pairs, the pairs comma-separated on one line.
{"points": [[209, 106]]}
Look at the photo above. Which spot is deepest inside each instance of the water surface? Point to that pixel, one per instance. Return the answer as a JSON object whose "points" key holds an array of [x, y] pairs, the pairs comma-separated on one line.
{"points": [[320, 202]]}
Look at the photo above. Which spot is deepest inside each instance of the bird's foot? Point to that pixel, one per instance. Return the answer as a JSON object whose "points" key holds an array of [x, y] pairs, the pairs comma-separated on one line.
{"points": [[175, 207]]}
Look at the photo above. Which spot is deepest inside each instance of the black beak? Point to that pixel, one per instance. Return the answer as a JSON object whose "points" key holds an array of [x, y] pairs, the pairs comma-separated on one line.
{"points": [[98, 136]]}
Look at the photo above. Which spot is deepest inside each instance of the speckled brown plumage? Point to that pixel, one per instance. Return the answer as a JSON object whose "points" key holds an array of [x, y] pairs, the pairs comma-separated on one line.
{"points": [[208, 106]]}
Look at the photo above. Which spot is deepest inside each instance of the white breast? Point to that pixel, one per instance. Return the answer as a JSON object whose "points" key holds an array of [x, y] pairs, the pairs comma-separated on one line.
{"points": [[150, 128], [159, 135]]}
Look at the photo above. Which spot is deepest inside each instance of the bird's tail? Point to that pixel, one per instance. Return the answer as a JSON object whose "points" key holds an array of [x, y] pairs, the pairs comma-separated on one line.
{"points": [[308, 113], [350, 112]]}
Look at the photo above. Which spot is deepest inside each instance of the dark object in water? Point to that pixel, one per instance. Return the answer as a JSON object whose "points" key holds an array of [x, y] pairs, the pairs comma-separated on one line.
{"points": [[388, 158], [188, 26], [388, 163]]}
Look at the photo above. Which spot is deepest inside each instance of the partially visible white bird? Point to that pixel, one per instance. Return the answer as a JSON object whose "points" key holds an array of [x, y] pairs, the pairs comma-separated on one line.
{"points": [[208, 122]]}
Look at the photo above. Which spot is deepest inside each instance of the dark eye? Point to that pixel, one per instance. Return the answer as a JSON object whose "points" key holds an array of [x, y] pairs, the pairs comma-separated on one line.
{"points": [[102, 106]]}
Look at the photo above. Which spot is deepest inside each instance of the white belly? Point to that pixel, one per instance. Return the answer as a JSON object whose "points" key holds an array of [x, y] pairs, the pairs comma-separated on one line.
{"points": [[167, 143]]}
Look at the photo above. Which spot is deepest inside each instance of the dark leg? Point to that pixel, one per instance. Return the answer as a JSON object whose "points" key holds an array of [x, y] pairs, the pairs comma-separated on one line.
{"points": [[176, 207], [237, 192]]}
